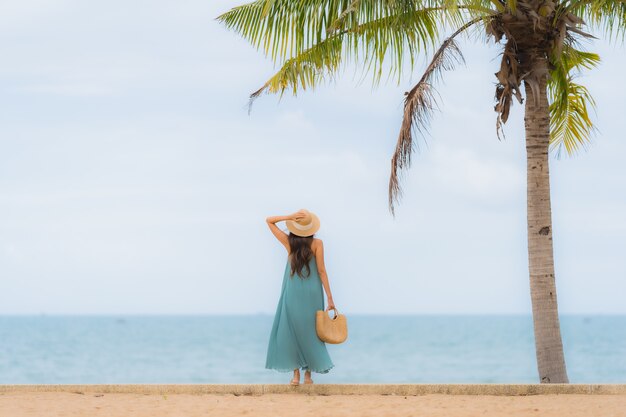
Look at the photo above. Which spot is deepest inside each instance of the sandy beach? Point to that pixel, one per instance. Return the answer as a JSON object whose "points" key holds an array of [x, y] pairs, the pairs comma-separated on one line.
{"points": [[31, 404]]}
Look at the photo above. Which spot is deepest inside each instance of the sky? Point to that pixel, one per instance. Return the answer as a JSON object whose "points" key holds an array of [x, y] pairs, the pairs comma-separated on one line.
{"points": [[133, 180]]}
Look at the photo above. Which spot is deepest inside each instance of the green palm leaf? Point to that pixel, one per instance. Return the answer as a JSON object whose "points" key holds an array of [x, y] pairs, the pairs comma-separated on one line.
{"points": [[570, 124], [608, 16], [371, 43], [306, 70], [379, 35]]}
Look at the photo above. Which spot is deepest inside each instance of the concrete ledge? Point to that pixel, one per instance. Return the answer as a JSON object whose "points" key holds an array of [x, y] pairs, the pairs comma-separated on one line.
{"points": [[328, 389]]}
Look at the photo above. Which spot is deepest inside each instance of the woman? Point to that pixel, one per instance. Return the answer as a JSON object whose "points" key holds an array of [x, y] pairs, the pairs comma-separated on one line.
{"points": [[293, 341]]}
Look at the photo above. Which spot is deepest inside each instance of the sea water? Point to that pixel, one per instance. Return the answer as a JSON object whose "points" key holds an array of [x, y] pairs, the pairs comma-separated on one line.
{"points": [[231, 349]]}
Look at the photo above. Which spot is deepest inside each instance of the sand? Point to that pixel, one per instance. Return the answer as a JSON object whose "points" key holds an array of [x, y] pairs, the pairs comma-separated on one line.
{"points": [[61, 404]]}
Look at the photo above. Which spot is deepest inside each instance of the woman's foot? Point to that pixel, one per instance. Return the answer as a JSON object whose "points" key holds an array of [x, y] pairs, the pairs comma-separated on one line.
{"points": [[296, 377], [307, 377]]}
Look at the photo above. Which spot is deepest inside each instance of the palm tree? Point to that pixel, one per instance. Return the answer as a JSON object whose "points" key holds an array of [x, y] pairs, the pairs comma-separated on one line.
{"points": [[540, 44]]}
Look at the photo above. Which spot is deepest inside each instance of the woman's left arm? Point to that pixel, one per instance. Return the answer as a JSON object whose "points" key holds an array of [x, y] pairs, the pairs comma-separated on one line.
{"points": [[321, 270]]}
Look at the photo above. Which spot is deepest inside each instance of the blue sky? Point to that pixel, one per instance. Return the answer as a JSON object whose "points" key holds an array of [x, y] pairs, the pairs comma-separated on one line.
{"points": [[132, 179]]}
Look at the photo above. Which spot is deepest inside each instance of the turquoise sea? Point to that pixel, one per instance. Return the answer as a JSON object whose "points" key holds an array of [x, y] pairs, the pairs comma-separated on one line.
{"points": [[231, 349]]}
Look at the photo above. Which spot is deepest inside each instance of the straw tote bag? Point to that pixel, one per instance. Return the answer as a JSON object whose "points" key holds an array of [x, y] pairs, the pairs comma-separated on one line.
{"points": [[331, 330]]}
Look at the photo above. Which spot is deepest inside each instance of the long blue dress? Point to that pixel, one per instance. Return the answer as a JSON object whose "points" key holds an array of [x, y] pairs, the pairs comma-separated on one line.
{"points": [[293, 341]]}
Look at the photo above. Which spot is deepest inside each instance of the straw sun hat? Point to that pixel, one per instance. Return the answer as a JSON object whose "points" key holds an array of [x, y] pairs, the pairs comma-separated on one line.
{"points": [[304, 227]]}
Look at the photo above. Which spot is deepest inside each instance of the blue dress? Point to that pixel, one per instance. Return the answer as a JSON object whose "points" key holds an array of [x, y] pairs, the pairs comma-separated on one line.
{"points": [[293, 341]]}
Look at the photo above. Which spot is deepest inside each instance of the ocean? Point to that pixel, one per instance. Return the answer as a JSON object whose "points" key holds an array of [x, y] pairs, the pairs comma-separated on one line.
{"points": [[48, 349]]}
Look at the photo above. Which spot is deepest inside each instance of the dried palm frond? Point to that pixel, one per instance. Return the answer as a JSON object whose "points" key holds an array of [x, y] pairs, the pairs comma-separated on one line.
{"points": [[508, 86], [419, 103]]}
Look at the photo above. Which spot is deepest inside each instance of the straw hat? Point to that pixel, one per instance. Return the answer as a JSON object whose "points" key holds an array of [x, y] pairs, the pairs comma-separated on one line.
{"points": [[304, 227]]}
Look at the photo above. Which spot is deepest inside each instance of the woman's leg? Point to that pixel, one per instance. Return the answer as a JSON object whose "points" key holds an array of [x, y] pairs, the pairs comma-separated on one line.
{"points": [[296, 377], [307, 377]]}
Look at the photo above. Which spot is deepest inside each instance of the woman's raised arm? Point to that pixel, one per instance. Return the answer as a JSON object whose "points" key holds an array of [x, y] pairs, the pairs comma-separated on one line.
{"points": [[280, 235]]}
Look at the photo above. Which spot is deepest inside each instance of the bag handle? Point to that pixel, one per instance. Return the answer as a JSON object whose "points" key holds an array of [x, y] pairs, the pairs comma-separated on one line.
{"points": [[336, 313]]}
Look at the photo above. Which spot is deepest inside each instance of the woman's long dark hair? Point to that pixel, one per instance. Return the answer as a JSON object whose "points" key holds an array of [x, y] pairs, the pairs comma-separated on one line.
{"points": [[300, 255]]}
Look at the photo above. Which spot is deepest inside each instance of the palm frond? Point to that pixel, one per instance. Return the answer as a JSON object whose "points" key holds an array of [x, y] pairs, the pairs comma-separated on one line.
{"points": [[283, 28], [570, 124], [608, 16], [306, 70], [286, 28], [367, 43], [379, 35], [392, 39], [508, 86], [419, 104]]}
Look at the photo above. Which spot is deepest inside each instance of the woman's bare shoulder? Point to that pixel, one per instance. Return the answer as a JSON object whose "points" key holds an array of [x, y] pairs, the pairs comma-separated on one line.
{"points": [[317, 243]]}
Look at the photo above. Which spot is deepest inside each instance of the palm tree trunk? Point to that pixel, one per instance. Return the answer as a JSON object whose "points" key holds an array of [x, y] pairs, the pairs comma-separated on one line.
{"points": [[548, 344]]}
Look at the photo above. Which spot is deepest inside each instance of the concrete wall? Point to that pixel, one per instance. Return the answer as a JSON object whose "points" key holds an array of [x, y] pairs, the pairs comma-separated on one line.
{"points": [[330, 389]]}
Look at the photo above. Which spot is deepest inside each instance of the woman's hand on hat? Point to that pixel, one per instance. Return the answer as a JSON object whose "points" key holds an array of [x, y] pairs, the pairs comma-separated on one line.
{"points": [[300, 214]]}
